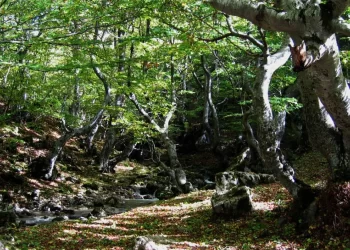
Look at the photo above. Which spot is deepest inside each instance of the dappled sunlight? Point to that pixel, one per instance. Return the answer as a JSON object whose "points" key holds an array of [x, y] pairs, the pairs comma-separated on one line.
{"points": [[185, 222], [264, 206]]}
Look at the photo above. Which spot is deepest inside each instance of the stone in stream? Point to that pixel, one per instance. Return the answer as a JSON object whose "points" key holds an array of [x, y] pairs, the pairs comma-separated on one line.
{"points": [[60, 218], [98, 212]]}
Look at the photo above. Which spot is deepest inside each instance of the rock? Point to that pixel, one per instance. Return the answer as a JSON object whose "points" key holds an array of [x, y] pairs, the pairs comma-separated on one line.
{"points": [[165, 194], [187, 188], [79, 200], [112, 210], [98, 202], [60, 218], [144, 190], [233, 203], [180, 176], [21, 212], [152, 187], [7, 218], [83, 219], [148, 196], [137, 196], [227, 180], [51, 206], [98, 212], [35, 195], [145, 243], [115, 201]]}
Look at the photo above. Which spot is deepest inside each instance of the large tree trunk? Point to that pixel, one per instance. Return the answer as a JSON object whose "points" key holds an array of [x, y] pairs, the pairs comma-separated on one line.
{"points": [[321, 130], [171, 149], [270, 127]]}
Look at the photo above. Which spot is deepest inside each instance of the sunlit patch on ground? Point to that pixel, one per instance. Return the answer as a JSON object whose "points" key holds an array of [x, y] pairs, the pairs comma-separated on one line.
{"points": [[185, 222]]}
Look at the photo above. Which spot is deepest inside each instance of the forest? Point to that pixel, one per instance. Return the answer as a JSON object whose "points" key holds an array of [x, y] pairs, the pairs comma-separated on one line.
{"points": [[165, 124]]}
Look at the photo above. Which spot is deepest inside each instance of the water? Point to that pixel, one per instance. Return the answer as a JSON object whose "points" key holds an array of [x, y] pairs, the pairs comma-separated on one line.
{"points": [[46, 217]]}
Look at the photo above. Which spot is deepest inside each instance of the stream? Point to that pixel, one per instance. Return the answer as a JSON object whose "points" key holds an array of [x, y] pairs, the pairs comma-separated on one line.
{"points": [[82, 213]]}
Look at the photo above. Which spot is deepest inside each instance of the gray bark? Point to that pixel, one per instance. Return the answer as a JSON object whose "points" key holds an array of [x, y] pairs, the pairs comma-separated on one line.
{"points": [[320, 127], [270, 127]]}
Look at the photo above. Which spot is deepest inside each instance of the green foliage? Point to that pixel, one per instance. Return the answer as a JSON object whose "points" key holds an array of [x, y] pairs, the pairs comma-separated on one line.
{"points": [[287, 104]]}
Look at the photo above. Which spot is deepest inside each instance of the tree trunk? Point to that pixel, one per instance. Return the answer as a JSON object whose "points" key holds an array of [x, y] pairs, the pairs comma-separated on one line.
{"points": [[270, 127], [61, 142], [91, 137], [171, 149], [321, 130], [209, 101], [107, 149]]}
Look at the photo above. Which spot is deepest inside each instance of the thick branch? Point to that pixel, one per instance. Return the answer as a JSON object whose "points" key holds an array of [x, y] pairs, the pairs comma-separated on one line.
{"points": [[169, 115], [279, 58], [132, 98], [258, 14], [342, 27], [103, 79], [338, 7]]}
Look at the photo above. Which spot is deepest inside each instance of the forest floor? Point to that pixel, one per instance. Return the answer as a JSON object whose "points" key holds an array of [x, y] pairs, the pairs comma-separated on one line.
{"points": [[183, 222]]}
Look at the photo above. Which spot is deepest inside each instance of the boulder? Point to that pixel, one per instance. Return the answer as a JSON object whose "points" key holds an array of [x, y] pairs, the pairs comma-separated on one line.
{"points": [[180, 176], [98, 212], [98, 202], [115, 201], [188, 188], [112, 210], [60, 218], [51, 206], [233, 203], [225, 181]]}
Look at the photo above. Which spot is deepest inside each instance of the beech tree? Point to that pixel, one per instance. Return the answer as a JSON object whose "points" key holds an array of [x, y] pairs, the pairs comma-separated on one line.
{"points": [[312, 25]]}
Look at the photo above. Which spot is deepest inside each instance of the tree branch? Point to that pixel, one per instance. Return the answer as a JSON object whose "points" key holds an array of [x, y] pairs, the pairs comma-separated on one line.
{"points": [[169, 115], [258, 14], [254, 41], [338, 7], [103, 79], [279, 58], [2, 3], [342, 27], [132, 98]]}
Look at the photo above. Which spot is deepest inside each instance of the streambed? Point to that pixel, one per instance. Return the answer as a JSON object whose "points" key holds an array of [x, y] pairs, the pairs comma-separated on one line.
{"points": [[82, 213]]}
